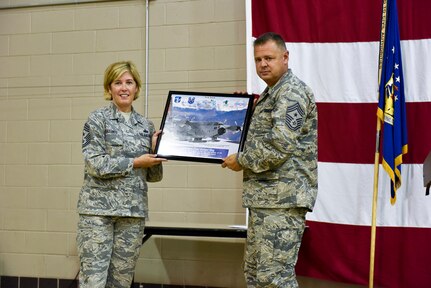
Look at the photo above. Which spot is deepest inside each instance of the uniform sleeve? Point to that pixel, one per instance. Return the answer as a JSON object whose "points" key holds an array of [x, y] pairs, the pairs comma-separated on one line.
{"points": [[275, 145], [155, 173], [98, 162]]}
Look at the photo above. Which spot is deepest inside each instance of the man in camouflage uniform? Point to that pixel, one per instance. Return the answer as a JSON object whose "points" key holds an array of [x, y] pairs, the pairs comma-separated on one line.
{"points": [[279, 163], [117, 145]]}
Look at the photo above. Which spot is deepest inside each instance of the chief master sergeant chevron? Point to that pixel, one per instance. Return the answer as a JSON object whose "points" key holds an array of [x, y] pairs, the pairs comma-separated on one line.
{"points": [[279, 163]]}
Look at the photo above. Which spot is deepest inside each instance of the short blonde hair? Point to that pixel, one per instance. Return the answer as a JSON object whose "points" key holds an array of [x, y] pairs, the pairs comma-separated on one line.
{"points": [[115, 70]]}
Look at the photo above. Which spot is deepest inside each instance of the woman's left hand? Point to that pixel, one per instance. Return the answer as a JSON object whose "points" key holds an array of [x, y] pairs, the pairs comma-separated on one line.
{"points": [[154, 140]]}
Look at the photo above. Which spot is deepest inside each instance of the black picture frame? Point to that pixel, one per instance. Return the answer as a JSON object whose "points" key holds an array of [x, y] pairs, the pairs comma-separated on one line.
{"points": [[203, 126]]}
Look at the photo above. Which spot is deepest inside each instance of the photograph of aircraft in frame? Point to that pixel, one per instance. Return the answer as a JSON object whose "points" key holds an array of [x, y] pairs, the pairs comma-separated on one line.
{"points": [[202, 126]]}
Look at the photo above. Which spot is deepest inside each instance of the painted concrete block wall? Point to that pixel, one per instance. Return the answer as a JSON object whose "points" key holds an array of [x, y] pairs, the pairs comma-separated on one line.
{"points": [[52, 60]]}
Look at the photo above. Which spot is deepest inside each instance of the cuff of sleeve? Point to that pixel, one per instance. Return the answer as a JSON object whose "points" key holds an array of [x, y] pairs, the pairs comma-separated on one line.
{"points": [[238, 158], [129, 167]]}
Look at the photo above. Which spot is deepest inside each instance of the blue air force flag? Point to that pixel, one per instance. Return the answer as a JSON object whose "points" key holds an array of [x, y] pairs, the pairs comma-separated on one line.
{"points": [[391, 109]]}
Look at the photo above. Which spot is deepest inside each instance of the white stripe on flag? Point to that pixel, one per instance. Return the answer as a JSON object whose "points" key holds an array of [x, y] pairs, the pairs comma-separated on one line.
{"points": [[345, 195], [335, 73]]}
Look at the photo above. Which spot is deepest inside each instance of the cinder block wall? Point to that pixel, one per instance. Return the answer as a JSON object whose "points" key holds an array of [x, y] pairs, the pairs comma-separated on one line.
{"points": [[52, 60]]}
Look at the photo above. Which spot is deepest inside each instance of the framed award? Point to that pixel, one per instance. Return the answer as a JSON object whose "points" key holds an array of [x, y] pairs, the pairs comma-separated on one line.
{"points": [[203, 127]]}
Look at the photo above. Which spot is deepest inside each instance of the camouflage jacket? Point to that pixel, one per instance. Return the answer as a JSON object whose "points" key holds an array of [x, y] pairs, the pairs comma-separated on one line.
{"points": [[279, 158], [109, 144]]}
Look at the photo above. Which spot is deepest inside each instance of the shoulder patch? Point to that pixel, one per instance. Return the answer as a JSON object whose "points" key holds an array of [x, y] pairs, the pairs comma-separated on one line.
{"points": [[86, 135], [294, 116]]}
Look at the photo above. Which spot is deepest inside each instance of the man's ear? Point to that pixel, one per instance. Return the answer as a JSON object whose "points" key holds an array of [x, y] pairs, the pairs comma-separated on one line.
{"points": [[286, 55]]}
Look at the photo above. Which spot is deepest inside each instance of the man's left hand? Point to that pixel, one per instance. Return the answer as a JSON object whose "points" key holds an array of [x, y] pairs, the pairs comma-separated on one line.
{"points": [[231, 162]]}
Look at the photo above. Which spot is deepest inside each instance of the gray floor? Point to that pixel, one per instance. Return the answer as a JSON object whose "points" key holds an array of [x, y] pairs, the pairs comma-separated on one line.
{"points": [[305, 282]]}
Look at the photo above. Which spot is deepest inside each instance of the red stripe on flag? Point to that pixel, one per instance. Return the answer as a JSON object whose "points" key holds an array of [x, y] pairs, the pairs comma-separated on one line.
{"points": [[347, 132], [331, 263], [337, 20]]}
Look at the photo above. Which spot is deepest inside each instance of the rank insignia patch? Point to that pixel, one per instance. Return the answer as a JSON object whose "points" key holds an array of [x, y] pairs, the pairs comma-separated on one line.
{"points": [[294, 117], [86, 135]]}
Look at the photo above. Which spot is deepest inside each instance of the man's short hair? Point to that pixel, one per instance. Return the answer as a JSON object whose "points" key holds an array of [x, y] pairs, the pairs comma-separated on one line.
{"points": [[270, 36]]}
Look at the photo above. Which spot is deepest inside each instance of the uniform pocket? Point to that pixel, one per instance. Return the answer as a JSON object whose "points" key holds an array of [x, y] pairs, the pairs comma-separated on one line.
{"points": [[114, 142]]}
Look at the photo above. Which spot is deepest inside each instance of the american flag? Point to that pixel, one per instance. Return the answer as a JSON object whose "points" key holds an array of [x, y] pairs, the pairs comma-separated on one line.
{"points": [[334, 48]]}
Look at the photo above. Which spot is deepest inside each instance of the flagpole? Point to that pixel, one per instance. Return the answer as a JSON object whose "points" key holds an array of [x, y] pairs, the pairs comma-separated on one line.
{"points": [[374, 204], [377, 153]]}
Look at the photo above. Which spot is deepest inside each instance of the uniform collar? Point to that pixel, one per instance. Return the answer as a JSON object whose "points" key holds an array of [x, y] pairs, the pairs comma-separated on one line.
{"points": [[270, 90], [115, 114], [280, 81]]}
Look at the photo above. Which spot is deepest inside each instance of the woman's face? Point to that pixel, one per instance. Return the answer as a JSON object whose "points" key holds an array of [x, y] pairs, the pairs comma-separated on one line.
{"points": [[123, 91]]}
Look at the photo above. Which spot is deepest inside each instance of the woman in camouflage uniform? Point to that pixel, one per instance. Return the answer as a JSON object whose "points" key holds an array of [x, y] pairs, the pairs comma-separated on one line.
{"points": [[117, 146]]}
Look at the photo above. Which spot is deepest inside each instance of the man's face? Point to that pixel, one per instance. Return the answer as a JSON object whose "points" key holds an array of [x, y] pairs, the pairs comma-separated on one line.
{"points": [[271, 62]]}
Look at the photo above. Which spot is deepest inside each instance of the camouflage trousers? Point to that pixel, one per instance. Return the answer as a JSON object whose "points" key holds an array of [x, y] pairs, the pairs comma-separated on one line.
{"points": [[108, 248], [273, 240]]}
